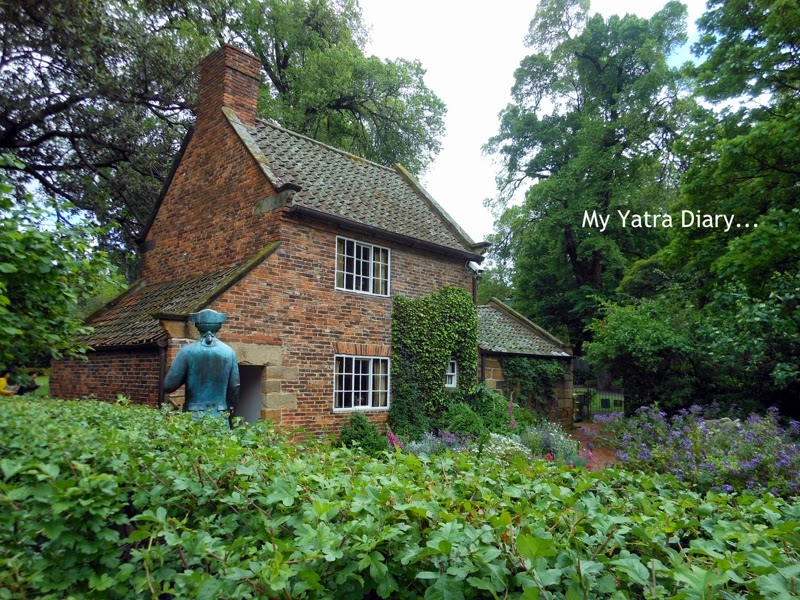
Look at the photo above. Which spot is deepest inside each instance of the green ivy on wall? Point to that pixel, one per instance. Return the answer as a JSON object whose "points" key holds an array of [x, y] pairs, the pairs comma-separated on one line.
{"points": [[534, 379], [426, 334]]}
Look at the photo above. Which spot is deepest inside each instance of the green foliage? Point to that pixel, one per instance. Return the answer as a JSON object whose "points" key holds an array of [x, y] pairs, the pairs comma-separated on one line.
{"points": [[755, 342], [738, 287], [534, 380], [492, 407], [48, 270], [736, 349], [104, 500], [460, 418], [653, 346], [495, 282], [596, 111], [360, 432], [427, 333]]}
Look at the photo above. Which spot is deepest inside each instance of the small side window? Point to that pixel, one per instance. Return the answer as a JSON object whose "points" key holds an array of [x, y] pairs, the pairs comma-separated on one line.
{"points": [[451, 375]]}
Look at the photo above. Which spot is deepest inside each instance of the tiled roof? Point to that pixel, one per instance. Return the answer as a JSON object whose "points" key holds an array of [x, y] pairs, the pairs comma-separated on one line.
{"points": [[501, 330], [132, 319], [346, 186]]}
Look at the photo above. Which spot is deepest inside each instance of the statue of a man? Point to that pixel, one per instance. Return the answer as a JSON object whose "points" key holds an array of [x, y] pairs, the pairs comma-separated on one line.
{"points": [[207, 367]]}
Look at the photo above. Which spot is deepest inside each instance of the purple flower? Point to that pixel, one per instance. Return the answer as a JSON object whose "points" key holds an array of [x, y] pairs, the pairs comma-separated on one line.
{"points": [[728, 488], [394, 442]]}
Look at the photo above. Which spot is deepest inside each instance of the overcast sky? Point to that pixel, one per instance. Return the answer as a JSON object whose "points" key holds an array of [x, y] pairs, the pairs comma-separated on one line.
{"points": [[470, 55]]}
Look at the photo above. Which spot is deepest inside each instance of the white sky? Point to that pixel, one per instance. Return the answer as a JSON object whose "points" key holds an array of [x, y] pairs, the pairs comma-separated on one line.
{"points": [[470, 54]]}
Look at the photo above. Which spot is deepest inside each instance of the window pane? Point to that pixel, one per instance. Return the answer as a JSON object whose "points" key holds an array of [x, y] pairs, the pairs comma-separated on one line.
{"points": [[362, 267], [380, 382], [339, 263]]}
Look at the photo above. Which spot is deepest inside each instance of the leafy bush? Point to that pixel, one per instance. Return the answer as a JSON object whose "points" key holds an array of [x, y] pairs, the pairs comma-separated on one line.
{"points": [[460, 418], [103, 500], [492, 407], [360, 432], [723, 454]]}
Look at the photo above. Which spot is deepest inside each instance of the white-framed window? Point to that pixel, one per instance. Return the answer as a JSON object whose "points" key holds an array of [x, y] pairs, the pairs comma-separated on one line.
{"points": [[362, 267], [360, 382], [451, 374]]}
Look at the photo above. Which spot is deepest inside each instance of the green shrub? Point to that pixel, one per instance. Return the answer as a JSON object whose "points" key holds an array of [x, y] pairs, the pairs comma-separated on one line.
{"points": [[460, 418], [359, 431], [104, 500], [491, 406]]}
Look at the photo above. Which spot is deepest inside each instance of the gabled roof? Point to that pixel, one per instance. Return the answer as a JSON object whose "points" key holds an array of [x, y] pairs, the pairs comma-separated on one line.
{"points": [[333, 182], [502, 330], [134, 317]]}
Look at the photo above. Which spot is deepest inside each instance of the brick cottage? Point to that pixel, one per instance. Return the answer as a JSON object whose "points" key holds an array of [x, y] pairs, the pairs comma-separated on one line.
{"points": [[301, 245]]}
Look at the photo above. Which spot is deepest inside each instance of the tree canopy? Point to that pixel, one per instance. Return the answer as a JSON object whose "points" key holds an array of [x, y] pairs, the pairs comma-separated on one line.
{"points": [[738, 287], [97, 96], [596, 112], [48, 271]]}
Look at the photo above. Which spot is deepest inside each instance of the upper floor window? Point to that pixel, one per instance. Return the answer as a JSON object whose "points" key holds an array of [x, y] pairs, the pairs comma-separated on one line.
{"points": [[360, 382], [362, 267], [451, 375]]}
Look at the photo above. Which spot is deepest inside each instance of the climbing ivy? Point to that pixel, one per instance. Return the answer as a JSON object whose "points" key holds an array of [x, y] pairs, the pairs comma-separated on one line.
{"points": [[426, 334], [533, 379]]}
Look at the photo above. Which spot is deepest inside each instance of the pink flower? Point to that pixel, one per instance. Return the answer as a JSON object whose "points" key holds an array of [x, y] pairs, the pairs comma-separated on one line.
{"points": [[548, 456], [395, 443], [513, 423]]}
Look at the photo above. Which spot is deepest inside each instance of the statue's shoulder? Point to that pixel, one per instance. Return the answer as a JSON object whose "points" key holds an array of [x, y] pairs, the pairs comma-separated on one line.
{"points": [[223, 346]]}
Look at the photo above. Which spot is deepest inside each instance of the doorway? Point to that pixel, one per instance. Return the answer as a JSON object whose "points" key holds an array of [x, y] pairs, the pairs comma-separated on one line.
{"points": [[249, 407]]}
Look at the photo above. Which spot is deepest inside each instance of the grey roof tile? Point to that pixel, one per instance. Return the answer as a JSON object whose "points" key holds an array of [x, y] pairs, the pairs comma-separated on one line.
{"points": [[338, 183], [501, 330]]}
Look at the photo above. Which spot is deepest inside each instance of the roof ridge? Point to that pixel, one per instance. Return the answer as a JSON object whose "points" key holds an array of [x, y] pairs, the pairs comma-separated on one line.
{"points": [[355, 157]]}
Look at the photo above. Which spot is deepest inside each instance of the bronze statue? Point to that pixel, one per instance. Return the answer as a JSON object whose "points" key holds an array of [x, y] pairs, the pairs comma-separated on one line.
{"points": [[208, 368]]}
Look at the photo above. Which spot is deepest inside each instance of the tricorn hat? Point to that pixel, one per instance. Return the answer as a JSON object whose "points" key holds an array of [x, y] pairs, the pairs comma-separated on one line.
{"points": [[208, 316]]}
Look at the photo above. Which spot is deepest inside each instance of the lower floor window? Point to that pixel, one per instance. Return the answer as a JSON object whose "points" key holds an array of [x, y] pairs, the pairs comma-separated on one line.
{"points": [[361, 382]]}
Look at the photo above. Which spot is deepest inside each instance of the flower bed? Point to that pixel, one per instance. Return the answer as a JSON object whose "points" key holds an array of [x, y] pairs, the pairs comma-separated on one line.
{"points": [[756, 453]]}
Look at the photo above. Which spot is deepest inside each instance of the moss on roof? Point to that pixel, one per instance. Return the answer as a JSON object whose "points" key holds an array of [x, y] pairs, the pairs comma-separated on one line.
{"points": [[133, 317]]}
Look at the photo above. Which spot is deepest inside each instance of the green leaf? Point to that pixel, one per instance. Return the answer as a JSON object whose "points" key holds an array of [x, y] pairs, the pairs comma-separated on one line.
{"points": [[533, 548], [445, 588]]}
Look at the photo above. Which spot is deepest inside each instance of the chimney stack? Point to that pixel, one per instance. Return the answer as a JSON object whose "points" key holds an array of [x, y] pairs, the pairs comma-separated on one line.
{"points": [[229, 77]]}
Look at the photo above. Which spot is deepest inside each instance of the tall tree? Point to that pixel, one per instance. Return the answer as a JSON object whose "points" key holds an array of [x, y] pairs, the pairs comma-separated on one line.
{"points": [[95, 97], [739, 287], [745, 156], [596, 111]]}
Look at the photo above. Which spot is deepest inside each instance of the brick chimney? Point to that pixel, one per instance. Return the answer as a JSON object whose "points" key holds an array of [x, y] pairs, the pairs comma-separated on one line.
{"points": [[229, 77]]}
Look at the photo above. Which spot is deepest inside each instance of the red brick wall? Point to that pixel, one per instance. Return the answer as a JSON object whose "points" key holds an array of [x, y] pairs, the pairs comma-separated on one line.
{"points": [[291, 300], [107, 374], [205, 221]]}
